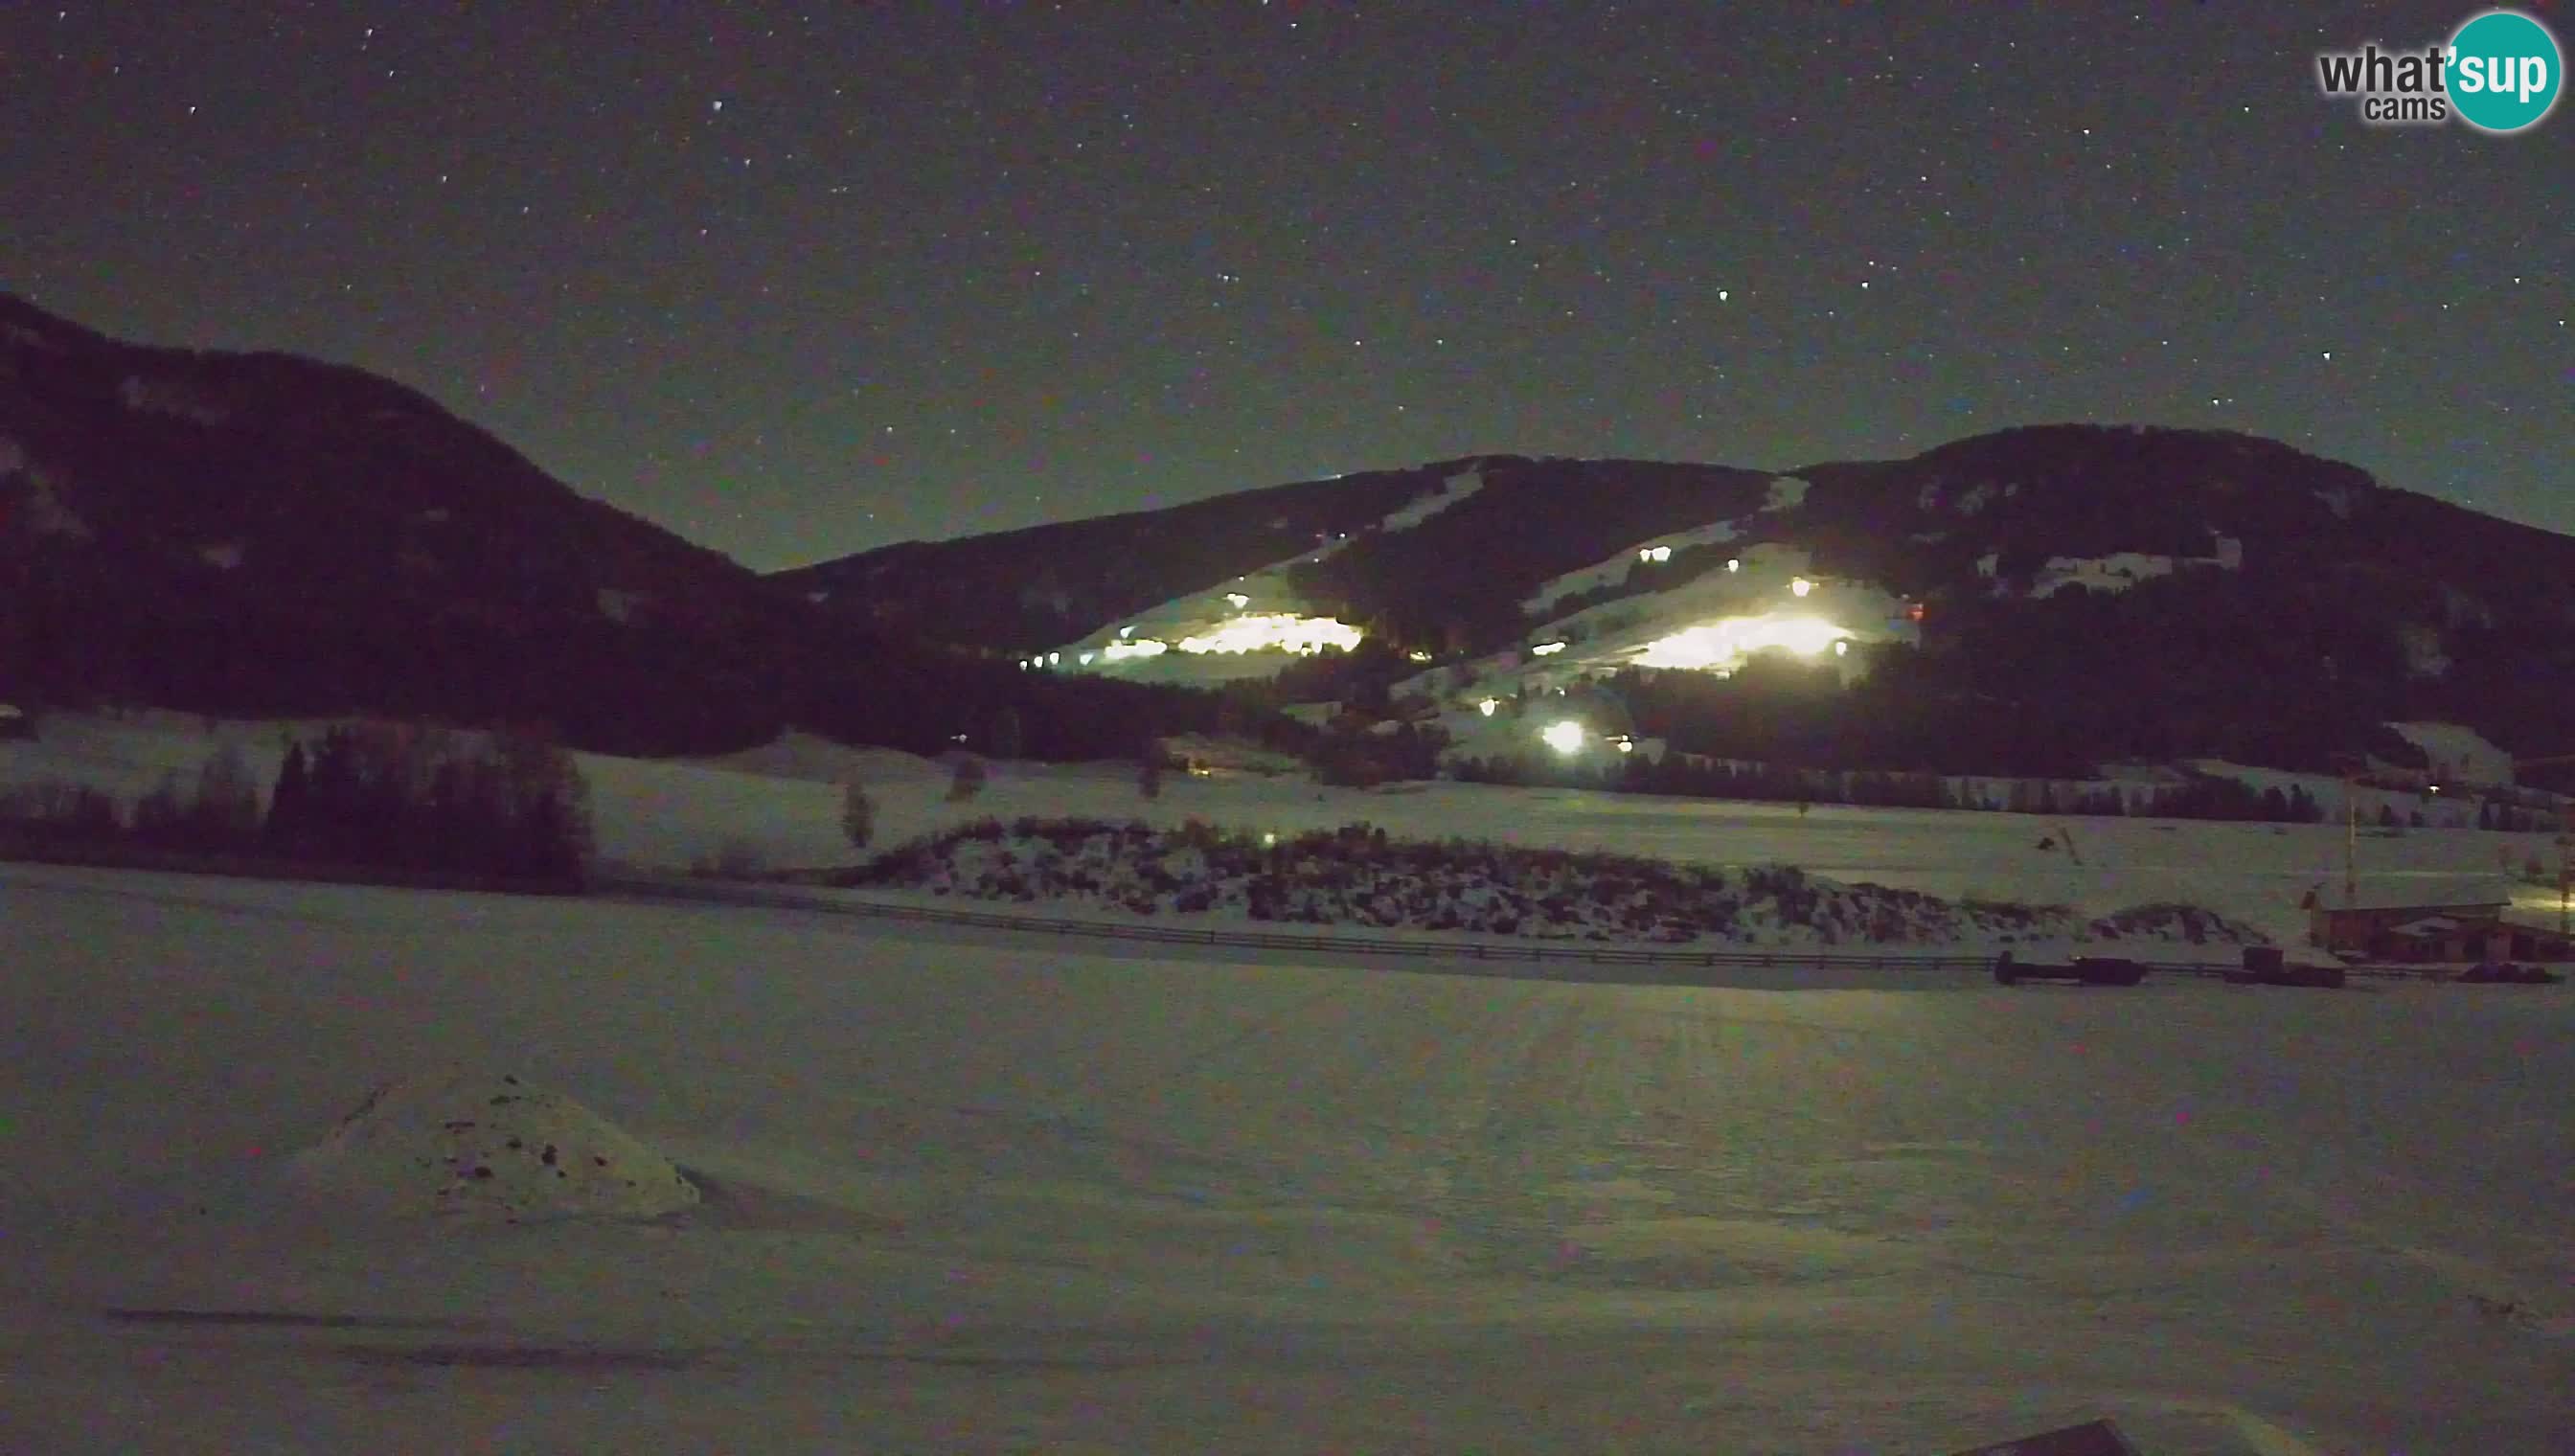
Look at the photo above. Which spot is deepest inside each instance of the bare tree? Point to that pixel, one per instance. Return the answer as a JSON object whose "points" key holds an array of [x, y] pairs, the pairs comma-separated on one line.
{"points": [[858, 815]]}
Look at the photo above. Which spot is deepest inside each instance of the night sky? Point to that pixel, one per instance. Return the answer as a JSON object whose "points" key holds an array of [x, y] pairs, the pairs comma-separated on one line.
{"points": [[797, 281]]}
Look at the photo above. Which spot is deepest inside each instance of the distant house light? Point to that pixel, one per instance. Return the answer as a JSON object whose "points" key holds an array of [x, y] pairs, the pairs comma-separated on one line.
{"points": [[1566, 736], [1734, 563], [1841, 648], [1800, 587], [1418, 655], [1054, 658], [1654, 554], [1087, 656], [1237, 601], [1625, 747], [1547, 650], [1126, 631], [1487, 705]]}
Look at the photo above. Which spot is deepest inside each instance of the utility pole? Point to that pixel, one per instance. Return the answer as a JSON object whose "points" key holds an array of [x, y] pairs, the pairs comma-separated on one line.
{"points": [[2565, 874], [2351, 831]]}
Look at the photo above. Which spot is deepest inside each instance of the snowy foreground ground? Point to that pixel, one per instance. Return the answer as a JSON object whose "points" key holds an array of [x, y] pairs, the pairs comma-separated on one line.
{"points": [[965, 1191]]}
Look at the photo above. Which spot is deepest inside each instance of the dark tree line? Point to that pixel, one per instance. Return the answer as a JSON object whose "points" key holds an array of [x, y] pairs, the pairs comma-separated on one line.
{"points": [[506, 805], [511, 805]]}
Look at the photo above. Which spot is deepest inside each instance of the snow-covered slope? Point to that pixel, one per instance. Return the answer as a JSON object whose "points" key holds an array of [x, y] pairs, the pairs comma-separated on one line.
{"points": [[1768, 596], [1248, 628], [2459, 756], [1613, 570]]}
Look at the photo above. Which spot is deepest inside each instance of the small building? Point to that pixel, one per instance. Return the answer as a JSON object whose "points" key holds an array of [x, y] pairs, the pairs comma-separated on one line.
{"points": [[2413, 922], [2438, 939], [2536, 942]]}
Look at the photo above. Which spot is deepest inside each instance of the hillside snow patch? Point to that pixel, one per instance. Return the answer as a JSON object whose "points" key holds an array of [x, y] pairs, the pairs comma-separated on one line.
{"points": [[2460, 755], [488, 1148], [1613, 570], [1454, 489]]}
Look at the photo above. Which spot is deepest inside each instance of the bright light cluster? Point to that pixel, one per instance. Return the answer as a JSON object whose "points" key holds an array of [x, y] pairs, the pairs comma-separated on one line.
{"points": [[1274, 631], [1653, 553], [1564, 736], [1724, 645], [1256, 632]]}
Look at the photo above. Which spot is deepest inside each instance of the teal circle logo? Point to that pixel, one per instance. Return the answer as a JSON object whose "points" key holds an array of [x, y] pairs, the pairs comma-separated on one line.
{"points": [[2504, 71]]}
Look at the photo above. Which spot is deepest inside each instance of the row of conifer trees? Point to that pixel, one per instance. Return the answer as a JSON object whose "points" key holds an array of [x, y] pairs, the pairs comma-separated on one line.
{"points": [[505, 804]]}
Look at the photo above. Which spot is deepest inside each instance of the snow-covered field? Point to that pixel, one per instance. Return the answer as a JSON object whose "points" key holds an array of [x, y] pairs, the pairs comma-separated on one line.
{"points": [[783, 802], [964, 1192]]}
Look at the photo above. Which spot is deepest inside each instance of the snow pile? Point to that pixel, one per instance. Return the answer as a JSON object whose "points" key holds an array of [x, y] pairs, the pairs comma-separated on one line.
{"points": [[813, 759], [1357, 875], [461, 1144]]}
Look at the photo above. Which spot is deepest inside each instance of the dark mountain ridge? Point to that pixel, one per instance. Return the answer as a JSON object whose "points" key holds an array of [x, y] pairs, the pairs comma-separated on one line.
{"points": [[265, 535], [261, 534], [2275, 606]]}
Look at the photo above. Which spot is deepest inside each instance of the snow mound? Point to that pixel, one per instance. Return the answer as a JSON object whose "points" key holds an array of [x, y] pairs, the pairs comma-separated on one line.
{"points": [[813, 758], [485, 1148]]}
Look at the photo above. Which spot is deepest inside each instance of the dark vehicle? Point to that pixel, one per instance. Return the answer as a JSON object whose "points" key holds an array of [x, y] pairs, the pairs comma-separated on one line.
{"points": [[2091, 970], [2267, 966], [2488, 972]]}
